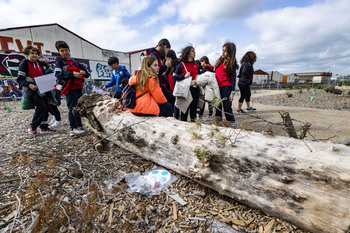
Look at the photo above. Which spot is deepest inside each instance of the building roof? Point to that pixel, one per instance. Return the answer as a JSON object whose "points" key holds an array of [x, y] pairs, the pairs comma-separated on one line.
{"points": [[137, 51], [45, 25], [260, 72]]}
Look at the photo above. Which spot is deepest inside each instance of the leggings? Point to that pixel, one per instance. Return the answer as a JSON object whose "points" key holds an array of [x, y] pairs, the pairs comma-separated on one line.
{"points": [[245, 92]]}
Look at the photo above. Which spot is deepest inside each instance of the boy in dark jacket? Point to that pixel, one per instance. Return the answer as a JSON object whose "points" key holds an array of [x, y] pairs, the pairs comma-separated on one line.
{"points": [[71, 75]]}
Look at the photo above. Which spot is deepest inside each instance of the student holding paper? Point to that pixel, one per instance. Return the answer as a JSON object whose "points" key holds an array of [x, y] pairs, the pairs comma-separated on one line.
{"points": [[29, 69]]}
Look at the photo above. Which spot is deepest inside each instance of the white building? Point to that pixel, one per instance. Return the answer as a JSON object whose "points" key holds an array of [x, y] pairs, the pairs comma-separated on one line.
{"points": [[14, 40]]}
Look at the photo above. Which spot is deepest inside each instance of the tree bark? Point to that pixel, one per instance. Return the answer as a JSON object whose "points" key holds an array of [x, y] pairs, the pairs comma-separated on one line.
{"points": [[278, 175]]}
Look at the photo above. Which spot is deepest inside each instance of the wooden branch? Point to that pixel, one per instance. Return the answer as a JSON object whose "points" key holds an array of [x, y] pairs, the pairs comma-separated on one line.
{"points": [[279, 175], [288, 123]]}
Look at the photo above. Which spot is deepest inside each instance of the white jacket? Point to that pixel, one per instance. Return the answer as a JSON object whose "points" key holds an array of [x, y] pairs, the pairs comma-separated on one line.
{"points": [[210, 85]]}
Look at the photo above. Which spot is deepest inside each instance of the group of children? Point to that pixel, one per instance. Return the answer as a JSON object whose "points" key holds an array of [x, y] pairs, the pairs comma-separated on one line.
{"points": [[70, 76], [154, 81]]}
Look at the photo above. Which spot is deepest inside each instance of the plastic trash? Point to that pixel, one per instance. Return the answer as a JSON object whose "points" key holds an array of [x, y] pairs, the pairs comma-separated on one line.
{"points": [[151, 182]]}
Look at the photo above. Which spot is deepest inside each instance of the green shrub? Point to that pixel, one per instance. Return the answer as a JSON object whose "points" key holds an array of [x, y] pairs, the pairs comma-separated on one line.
{"points": [[289, 95], [337, 91], [330, 89]]}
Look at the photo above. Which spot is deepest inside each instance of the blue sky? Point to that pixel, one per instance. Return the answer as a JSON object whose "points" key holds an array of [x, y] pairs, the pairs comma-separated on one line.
{"points": [[288, 36]]}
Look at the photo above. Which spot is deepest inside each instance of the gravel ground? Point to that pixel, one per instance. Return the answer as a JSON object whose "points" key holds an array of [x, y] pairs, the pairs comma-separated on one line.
{"points": [[24, 157], [318, 99]]}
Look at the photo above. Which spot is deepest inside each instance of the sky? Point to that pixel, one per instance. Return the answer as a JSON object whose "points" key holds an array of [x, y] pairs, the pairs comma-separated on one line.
{"points": [[288, 36]]}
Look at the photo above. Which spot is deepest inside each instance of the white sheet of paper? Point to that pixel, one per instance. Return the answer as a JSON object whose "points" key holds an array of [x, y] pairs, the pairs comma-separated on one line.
{"points": [[46, 82], [99, 90]]}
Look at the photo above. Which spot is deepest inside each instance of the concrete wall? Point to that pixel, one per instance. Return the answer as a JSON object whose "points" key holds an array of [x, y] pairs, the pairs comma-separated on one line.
{"points": [[135, 60], [260, 78]]}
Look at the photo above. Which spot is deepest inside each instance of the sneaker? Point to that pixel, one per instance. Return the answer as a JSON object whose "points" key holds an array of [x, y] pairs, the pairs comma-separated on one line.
{"points": [[233, 125], [53, 120], [251, 109], [83, 128], [241, 112], [76, 131], [47, 130], [32, 130], [56, 124]]}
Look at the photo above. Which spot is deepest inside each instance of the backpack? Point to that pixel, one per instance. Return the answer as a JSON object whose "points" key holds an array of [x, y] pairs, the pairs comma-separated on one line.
{"points": [[128, 98]]}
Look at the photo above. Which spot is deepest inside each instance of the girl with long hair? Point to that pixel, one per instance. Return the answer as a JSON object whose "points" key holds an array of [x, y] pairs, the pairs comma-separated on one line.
{"points": [[188, 68], [225, 71], [245, 80], [150, 100]]}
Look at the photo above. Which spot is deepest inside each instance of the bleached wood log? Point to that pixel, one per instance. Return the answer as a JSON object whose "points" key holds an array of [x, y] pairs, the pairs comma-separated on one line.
{"points": [[278, 175]]}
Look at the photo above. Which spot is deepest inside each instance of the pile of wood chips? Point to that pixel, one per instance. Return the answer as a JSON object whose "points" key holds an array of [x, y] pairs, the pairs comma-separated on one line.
{"points": [[52, 183]]}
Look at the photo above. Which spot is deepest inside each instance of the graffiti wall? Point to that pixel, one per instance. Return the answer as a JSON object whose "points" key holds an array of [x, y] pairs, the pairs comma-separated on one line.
{"points": [[9, 63], [100, 70]]}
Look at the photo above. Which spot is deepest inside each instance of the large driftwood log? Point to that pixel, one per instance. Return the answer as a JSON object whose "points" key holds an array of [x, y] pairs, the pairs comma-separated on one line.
{"points": [[277, 175]]}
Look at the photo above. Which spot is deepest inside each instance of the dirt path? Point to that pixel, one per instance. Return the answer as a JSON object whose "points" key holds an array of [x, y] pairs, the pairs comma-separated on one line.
{"points": [[326, 124]]}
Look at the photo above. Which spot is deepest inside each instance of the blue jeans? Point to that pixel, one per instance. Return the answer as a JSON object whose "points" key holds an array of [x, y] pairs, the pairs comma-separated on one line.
{"points": [[72, 100], [225, 92]]}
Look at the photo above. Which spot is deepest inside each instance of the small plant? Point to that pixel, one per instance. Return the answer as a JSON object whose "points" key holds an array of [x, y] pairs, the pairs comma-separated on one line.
{"points": [[289, 95], [300, 90], [201, 155]]}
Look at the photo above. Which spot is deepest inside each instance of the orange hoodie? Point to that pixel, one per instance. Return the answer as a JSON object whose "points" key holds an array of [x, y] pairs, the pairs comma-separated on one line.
{"points": [[148, 103]]}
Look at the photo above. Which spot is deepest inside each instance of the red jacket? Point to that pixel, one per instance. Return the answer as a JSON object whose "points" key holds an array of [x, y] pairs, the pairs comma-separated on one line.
{"points": [[222, 76], [191, 67]]}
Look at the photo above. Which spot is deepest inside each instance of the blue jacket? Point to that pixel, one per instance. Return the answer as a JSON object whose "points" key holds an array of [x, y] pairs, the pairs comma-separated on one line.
{"points": [[117, 77]]}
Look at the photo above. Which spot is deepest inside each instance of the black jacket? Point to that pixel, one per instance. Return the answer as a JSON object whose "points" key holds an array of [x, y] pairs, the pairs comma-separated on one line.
{"points": [[246, 73]]}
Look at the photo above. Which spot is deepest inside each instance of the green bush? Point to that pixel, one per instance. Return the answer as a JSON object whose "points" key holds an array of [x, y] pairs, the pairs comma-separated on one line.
{"points": [[330, 89], [300, 91], [289, 95], [337, 91]]}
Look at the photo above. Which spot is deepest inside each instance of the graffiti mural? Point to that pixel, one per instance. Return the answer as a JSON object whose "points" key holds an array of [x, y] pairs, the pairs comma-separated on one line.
{"points": [[100, 70], [9, 63], [9, 89]]}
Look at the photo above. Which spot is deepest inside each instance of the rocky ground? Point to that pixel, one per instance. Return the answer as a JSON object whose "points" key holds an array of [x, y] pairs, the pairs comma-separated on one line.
{"points": [[59, 183]]}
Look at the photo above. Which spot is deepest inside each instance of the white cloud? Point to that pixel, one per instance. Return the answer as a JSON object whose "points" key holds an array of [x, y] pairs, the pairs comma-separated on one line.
{"points": [[313, 38], [204, 11], [100, 22]]}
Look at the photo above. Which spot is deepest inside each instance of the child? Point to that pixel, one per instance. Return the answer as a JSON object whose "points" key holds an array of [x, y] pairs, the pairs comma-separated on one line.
{"points": [[71, 75], [210, 85], [29, 69], [225, 71], [120, 77], [245, 80], [188, 67], [150, 100], [171, 63]]}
